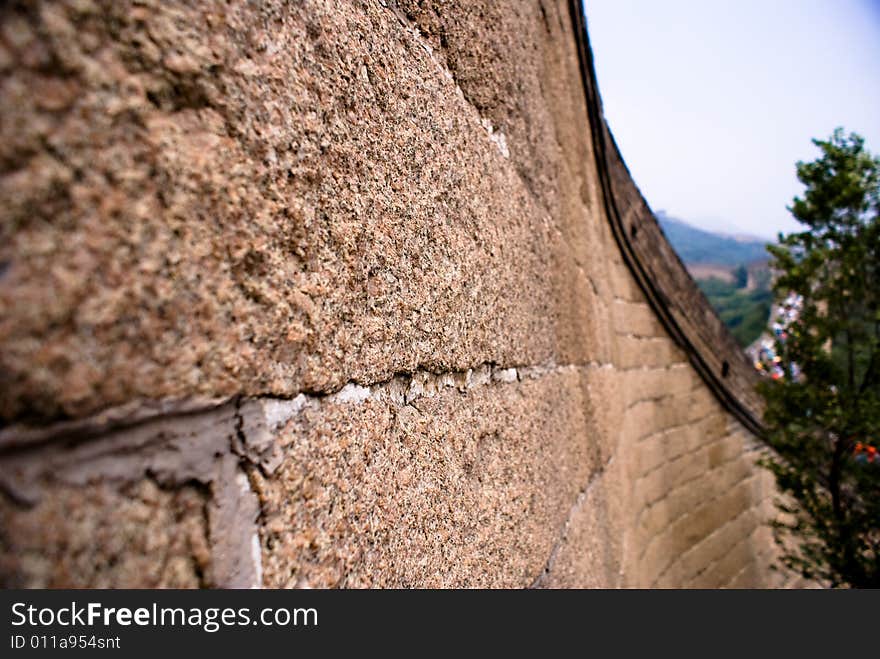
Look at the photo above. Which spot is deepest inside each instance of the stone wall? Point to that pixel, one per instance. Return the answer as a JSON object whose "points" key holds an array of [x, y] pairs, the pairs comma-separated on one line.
{"points": [[330, 294]]}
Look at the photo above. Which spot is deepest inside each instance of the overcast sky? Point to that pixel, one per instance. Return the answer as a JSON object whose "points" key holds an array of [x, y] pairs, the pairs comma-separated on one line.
{"points": [[712, 102]]}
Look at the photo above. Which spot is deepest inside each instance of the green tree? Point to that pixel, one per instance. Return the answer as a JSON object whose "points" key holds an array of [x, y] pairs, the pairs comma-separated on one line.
{"points": [[829, 404], [741, 276]]}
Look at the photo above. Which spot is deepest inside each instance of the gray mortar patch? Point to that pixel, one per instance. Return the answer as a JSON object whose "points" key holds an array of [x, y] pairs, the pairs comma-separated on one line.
{"points": [[206, 441], [186, 445]]}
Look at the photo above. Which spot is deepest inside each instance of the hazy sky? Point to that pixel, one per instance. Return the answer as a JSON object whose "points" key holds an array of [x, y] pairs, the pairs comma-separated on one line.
{"points": [[712, 102]]}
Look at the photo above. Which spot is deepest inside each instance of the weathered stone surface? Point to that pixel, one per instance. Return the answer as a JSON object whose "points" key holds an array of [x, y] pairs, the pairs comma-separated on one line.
{"points": [[454, 490], [325, 294], [589, 552], [100, 536], [211, 199], [85, 471]]}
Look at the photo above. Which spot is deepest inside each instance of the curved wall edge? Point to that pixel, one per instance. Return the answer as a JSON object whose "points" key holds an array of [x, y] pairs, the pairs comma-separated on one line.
{"points": [[671, 291]]}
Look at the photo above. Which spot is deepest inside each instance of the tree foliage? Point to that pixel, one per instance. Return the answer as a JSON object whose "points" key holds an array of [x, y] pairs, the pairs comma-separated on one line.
{"points": [[819, 420], [741, 276], [745, 313]]}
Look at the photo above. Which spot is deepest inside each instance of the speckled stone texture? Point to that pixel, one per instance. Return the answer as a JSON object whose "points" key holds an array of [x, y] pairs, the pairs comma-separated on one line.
{"points": [[455, 490], [260, 198], [262, 204], [101, 536]]}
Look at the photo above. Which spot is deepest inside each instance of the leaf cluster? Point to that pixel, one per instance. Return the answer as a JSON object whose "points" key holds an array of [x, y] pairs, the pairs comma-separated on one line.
{"points": [[830, 526]]}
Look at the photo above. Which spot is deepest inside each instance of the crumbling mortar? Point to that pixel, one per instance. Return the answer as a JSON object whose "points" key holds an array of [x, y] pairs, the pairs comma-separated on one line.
{"points": [[225, 446]]}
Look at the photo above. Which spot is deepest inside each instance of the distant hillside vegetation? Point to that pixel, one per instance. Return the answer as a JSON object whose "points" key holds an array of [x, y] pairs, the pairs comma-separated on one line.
{"points": [[744, 312], [697, 246], [733, 274]]}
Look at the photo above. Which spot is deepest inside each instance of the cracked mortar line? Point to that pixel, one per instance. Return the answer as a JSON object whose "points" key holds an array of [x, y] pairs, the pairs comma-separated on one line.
{"points": [[215, 442], [399, 390]]}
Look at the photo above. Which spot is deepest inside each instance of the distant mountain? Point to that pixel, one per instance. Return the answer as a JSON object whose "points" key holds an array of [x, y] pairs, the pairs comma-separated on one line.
{"points": [[697, 246]]}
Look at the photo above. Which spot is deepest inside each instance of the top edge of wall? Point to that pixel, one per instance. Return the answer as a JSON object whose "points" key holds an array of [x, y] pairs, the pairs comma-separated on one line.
{"points": [[671, 291]]}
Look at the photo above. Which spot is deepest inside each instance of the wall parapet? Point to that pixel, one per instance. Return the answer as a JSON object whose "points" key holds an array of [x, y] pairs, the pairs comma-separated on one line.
{"points": [[353, 316], [671, 291]]}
